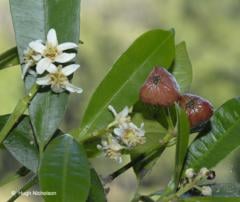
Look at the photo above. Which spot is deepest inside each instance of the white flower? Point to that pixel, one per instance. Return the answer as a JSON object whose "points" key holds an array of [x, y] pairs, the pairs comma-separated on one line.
{"points": [[121, 117], [30, 58], [206, 191], [58, 79], [52, 51], [190, 173], [130, 135], [111, 148], [203, 172]]}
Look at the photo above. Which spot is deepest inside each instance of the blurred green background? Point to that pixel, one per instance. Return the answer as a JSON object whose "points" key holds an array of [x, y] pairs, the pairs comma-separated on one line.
{"points": [[211, 30]]}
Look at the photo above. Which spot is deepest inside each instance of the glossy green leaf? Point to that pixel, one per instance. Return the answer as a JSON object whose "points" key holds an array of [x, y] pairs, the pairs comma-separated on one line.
{"points": [[32, 20], [64, 169], [144, 162], [226, 189], [9, 58], [211, 199], [214, 145], [20, 143], [182, 69], [121, 86], [182, 144], [97, 193], [154, 132], [47, 111]]}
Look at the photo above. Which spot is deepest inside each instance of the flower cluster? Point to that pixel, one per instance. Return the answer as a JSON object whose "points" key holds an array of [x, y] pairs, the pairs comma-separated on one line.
{"points": [[125, 134], [162, 89], [47, 61], [196, 178]]}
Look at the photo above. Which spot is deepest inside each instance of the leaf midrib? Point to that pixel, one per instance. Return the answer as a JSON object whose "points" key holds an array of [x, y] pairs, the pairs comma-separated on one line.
{"points": [[88, 126]]}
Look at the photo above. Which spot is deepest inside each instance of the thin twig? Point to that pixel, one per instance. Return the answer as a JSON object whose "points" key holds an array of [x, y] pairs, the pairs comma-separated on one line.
{"points": [[141, 158], [27, 186]]}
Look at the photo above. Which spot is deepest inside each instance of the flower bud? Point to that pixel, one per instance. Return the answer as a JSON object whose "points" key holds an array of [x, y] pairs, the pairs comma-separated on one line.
{"points": [[204, 172], [160, 88], [211, 175], [189, 173], [206, 191], [199, 110]]}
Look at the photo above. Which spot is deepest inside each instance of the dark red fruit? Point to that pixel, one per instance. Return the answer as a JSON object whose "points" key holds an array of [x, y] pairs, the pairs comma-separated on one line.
{"points": [[199, 110], [160, 88]]}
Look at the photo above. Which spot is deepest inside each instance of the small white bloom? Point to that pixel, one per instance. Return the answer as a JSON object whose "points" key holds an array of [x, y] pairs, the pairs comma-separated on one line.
{"points": [[58, 79], [121, 117], [52, 51], [206, 191], [203, 172], [111, 148], [130, 135], [190, 173], [30, 58]]}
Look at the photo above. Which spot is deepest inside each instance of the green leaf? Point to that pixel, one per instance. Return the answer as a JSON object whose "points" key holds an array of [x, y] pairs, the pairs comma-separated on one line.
{"points": [[182, 69], [20, 143], [226, 189], [97, 193], [154, 132], [46, 111], [9, 58], [146, 199], [64, 169], [211, 199], [32, 20], [121, 86], [182, 144], [212, 146]]}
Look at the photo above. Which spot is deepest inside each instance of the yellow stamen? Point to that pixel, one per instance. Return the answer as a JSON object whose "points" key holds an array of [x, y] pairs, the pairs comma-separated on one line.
{"points": [[51, 51]]}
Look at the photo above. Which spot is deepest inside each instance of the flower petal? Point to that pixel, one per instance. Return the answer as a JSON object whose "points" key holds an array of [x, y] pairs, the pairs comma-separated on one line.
{"points": [[25, 69], [57, 88], [133, 126], [44, 81], [68, 70], [32, 72], [118, 131], [99, 147], [43, 64], [37, 46], [52, 68], [111, 109], [52, 37], [65, 57], [36, 57], [119, 159], [66, 46], [72, 89], [104, 143], [124, 112]]}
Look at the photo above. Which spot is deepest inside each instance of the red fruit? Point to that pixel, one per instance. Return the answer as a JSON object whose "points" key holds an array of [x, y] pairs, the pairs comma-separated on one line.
{"points": [[198, 109], [160, 88]]}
